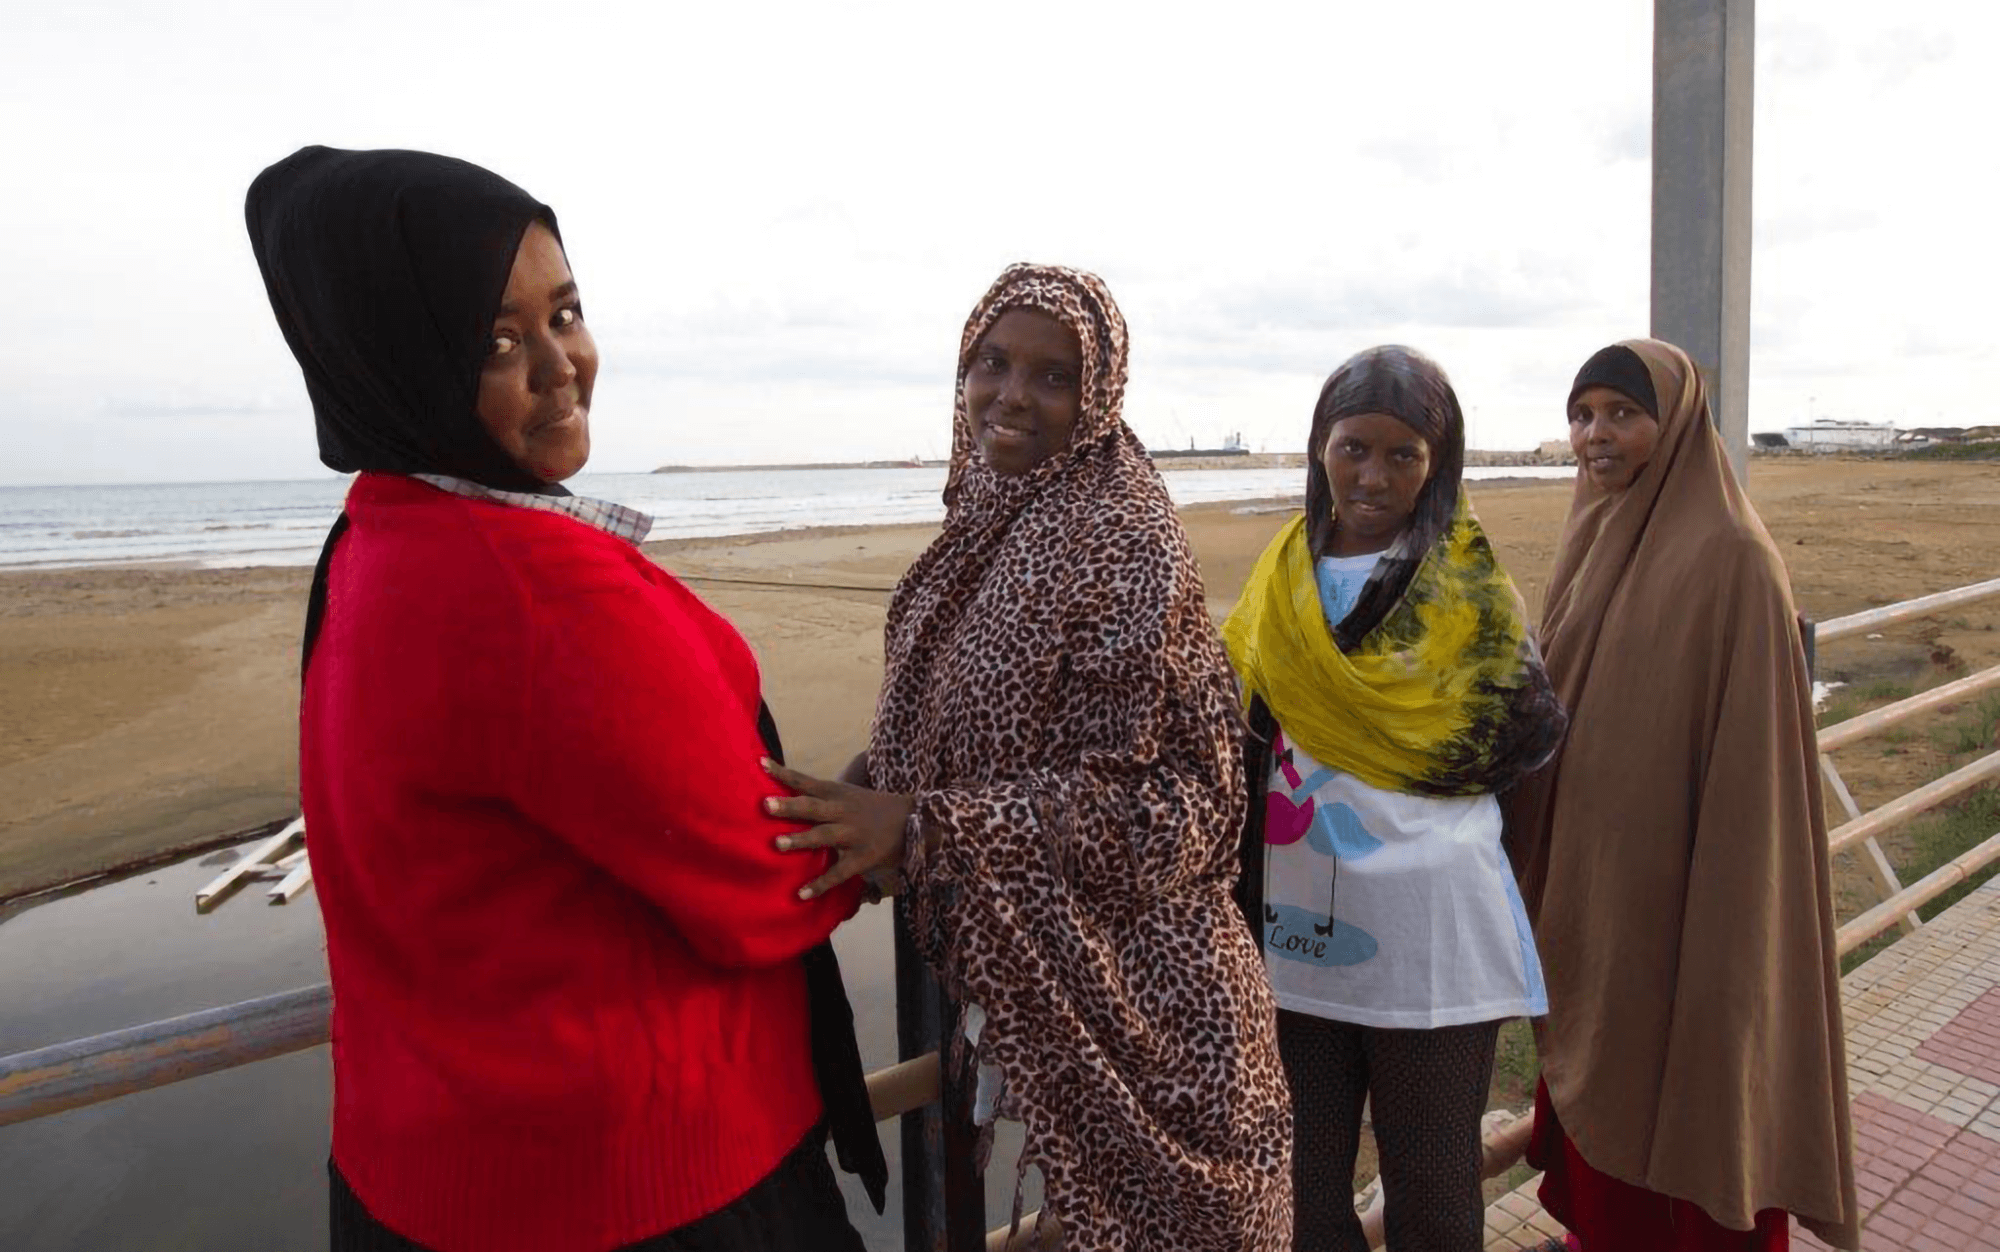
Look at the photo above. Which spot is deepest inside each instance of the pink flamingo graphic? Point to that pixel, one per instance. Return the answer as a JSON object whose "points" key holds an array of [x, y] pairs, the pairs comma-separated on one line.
{"points": [[1284, 821]]}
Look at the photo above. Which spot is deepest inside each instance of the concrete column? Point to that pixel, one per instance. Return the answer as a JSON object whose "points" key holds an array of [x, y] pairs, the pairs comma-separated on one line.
{"points": [[1702, 69]]}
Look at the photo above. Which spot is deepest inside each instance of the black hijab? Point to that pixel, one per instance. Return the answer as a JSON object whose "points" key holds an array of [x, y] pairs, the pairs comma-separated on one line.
{"points": [[1410, 387], [1619, 368], [385, 270]]}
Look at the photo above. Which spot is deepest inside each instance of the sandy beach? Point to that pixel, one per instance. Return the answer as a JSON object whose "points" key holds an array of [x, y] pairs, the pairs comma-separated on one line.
{"points": [[152, 709]]}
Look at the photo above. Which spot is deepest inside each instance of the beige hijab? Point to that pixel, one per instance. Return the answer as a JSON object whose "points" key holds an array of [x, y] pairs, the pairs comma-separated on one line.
{"points": [[1674, 857]]}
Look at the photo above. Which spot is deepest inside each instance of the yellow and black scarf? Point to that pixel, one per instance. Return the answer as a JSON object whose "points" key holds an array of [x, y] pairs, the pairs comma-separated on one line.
{"points": [[1444, 695]]}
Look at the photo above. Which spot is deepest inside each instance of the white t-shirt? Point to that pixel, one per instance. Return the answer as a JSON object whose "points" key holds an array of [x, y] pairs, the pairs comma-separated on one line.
{"points": [[1383, 908]]}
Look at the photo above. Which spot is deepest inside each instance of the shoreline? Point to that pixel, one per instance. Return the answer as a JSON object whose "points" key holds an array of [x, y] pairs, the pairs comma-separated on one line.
{"points": [[686, 543], [1166, 460], [152, 707], [307, 556]]}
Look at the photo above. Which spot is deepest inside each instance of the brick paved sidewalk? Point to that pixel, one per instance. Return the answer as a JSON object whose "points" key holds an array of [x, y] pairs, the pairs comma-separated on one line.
{"points": [[1923, 1056]]}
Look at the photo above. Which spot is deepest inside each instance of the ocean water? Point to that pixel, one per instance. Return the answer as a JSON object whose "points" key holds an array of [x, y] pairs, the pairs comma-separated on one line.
{"points": [[282, 523]]}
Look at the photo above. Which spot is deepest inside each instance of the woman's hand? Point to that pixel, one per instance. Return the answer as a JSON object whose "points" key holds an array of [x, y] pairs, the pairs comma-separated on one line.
{"points": [[865, 827]]}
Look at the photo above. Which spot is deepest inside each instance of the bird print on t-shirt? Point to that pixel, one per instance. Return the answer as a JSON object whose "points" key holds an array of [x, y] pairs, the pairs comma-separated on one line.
{"points": [[1300, 932]]}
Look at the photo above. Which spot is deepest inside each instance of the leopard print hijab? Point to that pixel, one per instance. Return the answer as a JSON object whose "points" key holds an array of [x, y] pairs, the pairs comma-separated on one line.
{"points": [[1080, 301], [1059, 704]]}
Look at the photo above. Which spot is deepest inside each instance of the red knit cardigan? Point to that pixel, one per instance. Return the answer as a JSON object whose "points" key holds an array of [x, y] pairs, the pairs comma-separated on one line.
{"points": [[568, 1009]]}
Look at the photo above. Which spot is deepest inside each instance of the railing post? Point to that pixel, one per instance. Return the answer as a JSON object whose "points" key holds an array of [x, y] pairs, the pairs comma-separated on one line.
{"points": [[944, 1197], [964, 1183], [917, 1032]]}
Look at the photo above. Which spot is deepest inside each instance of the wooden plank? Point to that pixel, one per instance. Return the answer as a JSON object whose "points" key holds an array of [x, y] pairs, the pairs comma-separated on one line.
{"points": [[1893, 614], [1879, 720], [291, 884], [250, 866]]}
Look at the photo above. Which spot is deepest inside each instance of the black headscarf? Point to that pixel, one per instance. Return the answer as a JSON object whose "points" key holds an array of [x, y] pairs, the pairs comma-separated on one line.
{"points": [[1619, 368], [385, 270], [1410, 387]]}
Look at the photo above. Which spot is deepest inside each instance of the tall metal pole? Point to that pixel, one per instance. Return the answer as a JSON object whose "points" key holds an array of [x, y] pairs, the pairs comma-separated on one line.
{"points": [[1703, 64]]}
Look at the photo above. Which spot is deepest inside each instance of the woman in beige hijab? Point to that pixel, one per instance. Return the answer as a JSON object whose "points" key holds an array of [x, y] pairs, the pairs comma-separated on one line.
{"points": [[1673, 857]]}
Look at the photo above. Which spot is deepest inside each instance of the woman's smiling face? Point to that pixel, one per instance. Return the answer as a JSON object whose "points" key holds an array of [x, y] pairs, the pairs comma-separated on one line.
{"points": [[1024, 390], [534, 390]]}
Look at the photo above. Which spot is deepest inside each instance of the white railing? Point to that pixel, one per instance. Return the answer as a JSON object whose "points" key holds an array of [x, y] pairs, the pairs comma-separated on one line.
{"points": [[1899, 905]]}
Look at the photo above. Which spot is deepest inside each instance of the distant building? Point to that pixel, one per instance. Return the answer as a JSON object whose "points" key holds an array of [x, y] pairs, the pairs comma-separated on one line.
{"points": [[1769, 439], [1833, 435], [1937, 434], [1232, 446]]}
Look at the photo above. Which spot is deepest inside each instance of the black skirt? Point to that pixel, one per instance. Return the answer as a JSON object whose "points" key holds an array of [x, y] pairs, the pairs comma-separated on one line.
{"points": [[797, 1207]]}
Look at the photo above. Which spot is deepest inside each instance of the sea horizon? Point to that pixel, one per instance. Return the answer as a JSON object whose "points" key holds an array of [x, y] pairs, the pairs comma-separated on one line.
{"points": [[281, 522]]}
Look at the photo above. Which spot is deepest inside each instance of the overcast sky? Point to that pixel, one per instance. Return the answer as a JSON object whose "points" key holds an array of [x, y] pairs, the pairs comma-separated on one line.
{"points": [[781, 214]]}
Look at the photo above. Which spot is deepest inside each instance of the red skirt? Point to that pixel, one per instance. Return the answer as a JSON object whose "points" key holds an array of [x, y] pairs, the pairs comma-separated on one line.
{"points": [[1604, 1213]]}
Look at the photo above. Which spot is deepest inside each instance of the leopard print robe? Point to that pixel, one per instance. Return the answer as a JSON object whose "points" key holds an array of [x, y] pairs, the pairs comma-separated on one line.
{"points": [[1058, 701]]}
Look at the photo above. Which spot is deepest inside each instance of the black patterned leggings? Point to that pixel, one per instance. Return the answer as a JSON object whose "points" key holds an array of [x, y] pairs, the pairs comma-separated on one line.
{"points": [[1428, 1092]]}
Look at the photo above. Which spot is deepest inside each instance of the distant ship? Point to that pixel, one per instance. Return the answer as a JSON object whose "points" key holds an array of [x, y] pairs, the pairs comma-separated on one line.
{"points": [[1232, 446]]}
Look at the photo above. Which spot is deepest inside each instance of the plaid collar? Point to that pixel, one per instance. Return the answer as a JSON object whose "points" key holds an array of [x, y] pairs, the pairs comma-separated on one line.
{"points": [[613, 519]]}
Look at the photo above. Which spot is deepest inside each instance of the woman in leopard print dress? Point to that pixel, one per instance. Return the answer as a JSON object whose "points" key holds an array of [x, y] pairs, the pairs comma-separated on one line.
{"points": [[1055, 765]]}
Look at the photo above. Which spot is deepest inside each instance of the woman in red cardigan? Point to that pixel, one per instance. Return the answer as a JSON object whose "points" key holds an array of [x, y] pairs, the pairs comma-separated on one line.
{"points": [[578, 1002]]}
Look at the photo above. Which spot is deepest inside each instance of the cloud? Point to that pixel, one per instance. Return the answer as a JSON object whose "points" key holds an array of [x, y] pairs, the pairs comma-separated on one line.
{"points": [[832, 357], [1628, 138], [781, 214], [1797, 48], [1906, 51], [1523, 293], [143, 409]]}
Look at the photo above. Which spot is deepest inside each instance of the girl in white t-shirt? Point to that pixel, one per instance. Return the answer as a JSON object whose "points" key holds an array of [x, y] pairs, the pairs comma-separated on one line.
{"points": [[1393, 687]]}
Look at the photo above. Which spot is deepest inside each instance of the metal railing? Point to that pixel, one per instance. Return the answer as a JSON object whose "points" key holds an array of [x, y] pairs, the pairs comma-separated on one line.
{"points": [[83, 1072], [89, 1071], [943, 1199], [1900, 904], [1906, 611]]}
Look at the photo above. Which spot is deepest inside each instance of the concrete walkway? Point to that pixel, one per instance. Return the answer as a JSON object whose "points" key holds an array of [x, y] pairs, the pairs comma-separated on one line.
{"points": [[1923, 1056]]}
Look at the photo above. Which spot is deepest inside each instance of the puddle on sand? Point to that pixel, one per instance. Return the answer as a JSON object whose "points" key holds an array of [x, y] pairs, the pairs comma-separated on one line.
{"points": [[230, 1161], [236, 1161]]}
